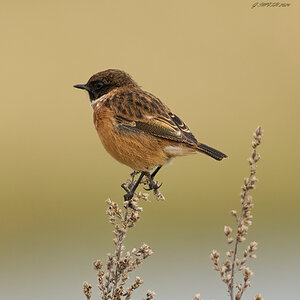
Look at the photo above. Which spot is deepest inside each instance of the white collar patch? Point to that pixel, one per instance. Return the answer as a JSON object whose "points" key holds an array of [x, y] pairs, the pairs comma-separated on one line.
{"points": [[101, 99]]}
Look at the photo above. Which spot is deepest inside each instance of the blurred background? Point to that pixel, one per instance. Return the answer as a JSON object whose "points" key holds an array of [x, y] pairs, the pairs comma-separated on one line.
{"points": [[223, 67]]}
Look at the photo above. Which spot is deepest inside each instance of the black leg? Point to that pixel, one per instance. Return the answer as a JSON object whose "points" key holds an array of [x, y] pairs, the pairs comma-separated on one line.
{"points": [[155, 172], [123, 185], [133, 174], [130, 193], [152, 184]]}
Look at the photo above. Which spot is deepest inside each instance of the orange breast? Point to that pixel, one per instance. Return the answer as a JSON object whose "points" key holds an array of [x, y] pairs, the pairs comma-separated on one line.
{"points": [[140, 151]]}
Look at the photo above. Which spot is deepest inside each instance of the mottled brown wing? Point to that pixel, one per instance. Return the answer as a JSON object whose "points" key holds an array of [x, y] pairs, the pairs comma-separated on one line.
{"points": [[183, 128], [144, 112]]}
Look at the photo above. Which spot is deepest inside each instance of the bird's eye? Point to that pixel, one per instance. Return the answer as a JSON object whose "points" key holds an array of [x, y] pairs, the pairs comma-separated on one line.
{"points": [[99, 85]]}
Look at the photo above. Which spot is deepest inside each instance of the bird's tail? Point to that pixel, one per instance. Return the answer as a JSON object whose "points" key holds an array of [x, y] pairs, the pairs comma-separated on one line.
{"points": [[211, 152]]}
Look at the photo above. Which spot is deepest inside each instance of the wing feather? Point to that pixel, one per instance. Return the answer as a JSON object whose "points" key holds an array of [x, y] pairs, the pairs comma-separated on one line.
{"points": [[156, 118]]}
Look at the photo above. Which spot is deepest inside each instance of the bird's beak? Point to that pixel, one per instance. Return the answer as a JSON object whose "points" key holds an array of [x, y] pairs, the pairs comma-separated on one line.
{"points": [[81, 86]]}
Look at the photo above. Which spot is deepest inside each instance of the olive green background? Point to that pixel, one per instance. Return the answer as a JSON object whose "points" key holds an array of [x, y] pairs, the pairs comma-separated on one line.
{"points": [[223, 67]]}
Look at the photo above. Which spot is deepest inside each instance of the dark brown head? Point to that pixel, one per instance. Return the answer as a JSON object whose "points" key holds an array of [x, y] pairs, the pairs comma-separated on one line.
{"points": [[104, 82]]}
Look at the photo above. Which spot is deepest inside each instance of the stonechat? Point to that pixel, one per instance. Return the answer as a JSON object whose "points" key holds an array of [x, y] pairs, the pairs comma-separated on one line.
{"points": [[136, 128]]}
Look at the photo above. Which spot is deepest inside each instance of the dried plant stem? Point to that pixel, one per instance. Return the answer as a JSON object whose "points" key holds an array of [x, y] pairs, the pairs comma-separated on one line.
{"points": [[119, 246], [114, 275], [231, 292], [233, 264], [244, 220]]}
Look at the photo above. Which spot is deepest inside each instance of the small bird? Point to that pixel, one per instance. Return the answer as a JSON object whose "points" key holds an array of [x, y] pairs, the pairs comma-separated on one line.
{"points": [[136, 128]]}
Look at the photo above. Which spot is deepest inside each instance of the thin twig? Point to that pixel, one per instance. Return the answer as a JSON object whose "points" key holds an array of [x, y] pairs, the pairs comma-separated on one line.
{"points": [[113, 277], [231, 292], [243, 221]]}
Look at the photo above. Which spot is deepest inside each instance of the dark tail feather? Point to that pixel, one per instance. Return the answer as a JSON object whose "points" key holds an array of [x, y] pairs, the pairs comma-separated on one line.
{"points": [[211, 152]]}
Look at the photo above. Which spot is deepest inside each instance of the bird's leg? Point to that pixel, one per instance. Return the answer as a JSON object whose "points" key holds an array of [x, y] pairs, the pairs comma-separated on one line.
{"points": [[130, 193], [125, 186], [155, 171], [152, 184], [133, 174]]}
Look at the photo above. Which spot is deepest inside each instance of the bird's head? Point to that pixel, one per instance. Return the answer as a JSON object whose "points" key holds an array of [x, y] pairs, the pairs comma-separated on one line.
{"points": [[103, 82]]}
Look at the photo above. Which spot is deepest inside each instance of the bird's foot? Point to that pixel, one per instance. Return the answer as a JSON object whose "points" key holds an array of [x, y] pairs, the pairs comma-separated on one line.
{"points": [[129, 186], [128, 196], [133, 174], [153, 185], [125, 188], [128, 199]]}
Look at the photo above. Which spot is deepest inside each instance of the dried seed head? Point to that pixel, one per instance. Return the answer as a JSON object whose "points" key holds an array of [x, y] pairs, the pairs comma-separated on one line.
{"points": [[87, 290], [223, 270], [228, 254], [197, 297], [143, 196], [241, 239], [150, 295], [159, 195], [98, 265], [229, 240], [253, 246], [234, 213], [247, 273], [227, 230], [214, 255]]}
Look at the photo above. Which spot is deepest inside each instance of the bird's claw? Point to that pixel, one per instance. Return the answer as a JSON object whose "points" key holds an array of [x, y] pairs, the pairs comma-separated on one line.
{"points": [[128, 196], [123, 186], [153, 186]]}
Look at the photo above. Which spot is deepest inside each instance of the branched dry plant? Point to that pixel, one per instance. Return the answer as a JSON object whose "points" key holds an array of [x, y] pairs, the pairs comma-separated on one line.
{"points": [[113, 275], [234, 264]]}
